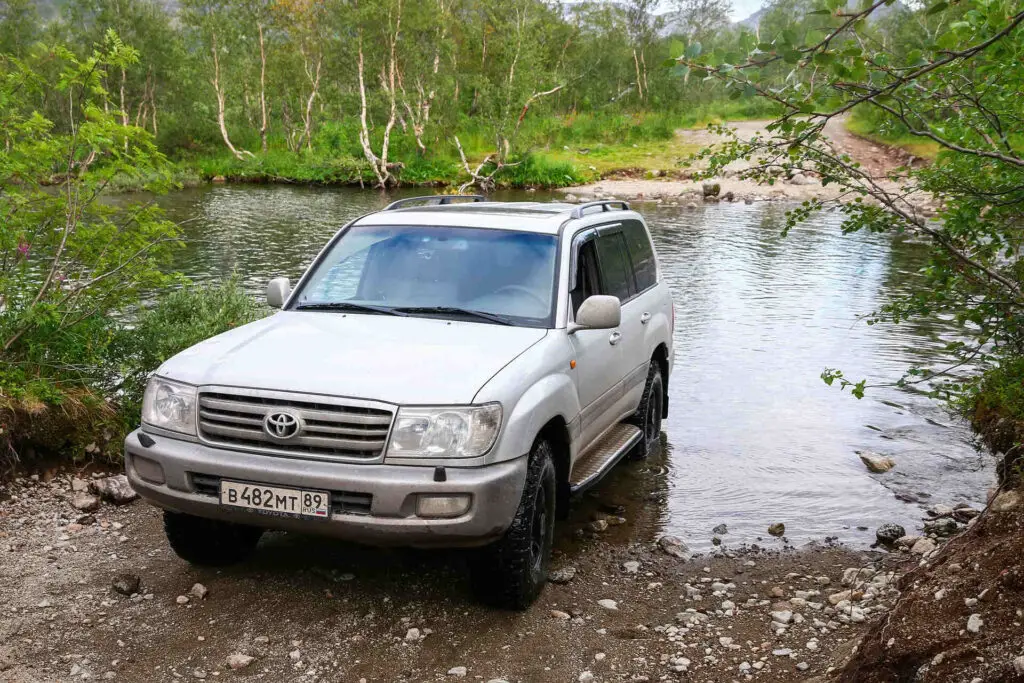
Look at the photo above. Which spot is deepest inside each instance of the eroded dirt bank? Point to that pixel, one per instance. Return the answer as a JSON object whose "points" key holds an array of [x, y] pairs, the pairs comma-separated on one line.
{"points": [[313, 610]]}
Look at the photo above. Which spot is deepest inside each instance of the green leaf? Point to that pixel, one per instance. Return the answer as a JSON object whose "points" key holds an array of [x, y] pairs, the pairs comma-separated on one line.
{"points": [[936, 8], [693, 50]]}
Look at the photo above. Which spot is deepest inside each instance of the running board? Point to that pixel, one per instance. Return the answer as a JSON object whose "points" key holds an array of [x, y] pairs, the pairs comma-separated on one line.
{"points": [[602, 456]]}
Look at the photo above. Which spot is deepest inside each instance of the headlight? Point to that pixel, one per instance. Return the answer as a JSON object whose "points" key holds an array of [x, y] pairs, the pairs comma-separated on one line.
{"points": [[170, 405], [455, 432]]}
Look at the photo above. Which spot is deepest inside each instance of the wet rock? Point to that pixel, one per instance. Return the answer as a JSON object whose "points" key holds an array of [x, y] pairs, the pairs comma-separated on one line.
{"points": [[674, 546], [608, 604], [945, 526], [563, 575], [876, 463], [114, 489], [974, 623], [710, 189], [1005, 501], [923, 547], [126, 584], [777, 529], [720, 530], [940, 511], [888, 534], [458, 671], [85, 502], [199, 591], [715, 540], [239, 661]]}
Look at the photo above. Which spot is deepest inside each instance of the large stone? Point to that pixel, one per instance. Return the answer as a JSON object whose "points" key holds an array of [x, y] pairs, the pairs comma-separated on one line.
{"points": [[777, 529], [563, 575], [710, 189], [974, 623], [1018, 665], [888, 534], [85, 502], [608, 604], [115, 489], [1005, 501], [239, 660], [945, 526], [458, 671], [126, 584], [720, 530], [923, 547], [876, 463], [674, 546]]}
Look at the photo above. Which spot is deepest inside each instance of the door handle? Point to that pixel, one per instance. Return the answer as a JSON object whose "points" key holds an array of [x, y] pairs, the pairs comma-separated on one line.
{"points": [[645, 318], [614, 338]]}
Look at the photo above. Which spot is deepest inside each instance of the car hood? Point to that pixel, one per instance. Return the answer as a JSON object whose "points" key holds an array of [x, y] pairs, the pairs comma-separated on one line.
{"points": [[402, 360]]}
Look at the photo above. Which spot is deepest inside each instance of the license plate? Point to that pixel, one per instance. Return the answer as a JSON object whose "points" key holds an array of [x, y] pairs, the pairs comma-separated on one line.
{"points": [[274, 500]]}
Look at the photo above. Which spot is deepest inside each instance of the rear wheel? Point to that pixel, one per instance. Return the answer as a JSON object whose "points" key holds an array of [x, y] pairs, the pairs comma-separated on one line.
{"points": [[648, 415], [209, 542], [511, 572]]}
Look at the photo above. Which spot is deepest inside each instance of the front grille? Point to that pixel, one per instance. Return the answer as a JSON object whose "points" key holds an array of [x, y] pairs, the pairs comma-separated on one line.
{"points": [[326, 430], [342, 502]]}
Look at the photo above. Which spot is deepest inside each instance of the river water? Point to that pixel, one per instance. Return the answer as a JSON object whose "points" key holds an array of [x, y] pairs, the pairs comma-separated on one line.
{"points": [[754, 435]]}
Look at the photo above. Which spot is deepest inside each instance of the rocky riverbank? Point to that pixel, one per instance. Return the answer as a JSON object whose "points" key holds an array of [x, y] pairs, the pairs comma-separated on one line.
{"points": [[90, 590]]}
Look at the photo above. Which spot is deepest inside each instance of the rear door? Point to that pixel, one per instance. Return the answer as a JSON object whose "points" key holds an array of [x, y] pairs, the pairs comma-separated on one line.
{"points": [[598, 353], [645, 316]]}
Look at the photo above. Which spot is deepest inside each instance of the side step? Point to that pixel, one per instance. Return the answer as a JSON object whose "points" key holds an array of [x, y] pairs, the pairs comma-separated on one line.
{"points": [[602, 456]]}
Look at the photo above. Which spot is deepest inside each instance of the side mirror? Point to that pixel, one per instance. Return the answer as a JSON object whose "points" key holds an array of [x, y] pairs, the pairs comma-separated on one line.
{"points": [[278, 291], [598, 312]]}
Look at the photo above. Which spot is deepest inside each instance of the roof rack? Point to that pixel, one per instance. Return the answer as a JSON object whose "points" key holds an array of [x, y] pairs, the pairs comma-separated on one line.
{"points": [[441, 199], [603, 203]]}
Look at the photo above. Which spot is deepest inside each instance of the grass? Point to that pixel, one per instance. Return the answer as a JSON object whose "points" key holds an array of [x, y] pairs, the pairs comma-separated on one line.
{"points": [[863, 126]]}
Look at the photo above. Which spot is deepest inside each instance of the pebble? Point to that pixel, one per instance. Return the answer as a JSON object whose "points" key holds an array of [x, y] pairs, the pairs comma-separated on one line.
{"points": [[239, 660], [923, 547], [295, 655], [782, 652], [181, 599], [458, 671], [974, 623], [412, 635], [599, 525], [631, 567], [782, 616], [126, 584], [115, 489], [559, 614], [1018, 665], [877, 463], [563, 575], [199, 591], [803, 666], [85, 502], [586, 677], [608, 604], [674, 546]]}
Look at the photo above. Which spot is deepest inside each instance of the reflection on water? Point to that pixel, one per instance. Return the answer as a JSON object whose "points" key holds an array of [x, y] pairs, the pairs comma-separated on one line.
{"points": [[754, 435]]}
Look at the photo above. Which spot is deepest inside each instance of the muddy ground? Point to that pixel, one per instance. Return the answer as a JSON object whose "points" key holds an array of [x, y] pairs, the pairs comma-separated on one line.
{"points": [[309, 609]]}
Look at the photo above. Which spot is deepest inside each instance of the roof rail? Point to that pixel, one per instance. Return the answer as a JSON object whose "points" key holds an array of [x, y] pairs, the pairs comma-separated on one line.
{"points": [[441, 199], [603, 203]]}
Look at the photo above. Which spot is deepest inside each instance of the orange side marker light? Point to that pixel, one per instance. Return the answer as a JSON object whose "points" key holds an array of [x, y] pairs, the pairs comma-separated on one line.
{"points": [[572, 364]]}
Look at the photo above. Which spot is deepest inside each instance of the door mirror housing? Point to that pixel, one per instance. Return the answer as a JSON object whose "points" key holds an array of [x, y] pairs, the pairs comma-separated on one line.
{"points": [[598, 312], [278, 291]]}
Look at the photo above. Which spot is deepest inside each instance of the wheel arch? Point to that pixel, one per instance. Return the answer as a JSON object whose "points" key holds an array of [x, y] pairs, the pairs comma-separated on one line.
{"points": [[556, 432]]}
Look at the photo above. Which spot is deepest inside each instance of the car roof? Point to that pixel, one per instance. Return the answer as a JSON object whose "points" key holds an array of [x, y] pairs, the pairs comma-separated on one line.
{"points": [[539, 217]]}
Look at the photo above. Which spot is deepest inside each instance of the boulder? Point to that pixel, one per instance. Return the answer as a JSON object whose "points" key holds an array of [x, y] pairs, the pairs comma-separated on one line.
{"points": [[888, 534], [711, 189], [114, 489], [777, 529], [876, 463], [944, 526], [85, 502], [923, 547], [1005, 501], [675, 547]]}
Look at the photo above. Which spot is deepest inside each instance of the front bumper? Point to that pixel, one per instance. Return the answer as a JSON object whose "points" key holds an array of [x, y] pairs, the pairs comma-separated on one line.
{"points": [[373, 503]]}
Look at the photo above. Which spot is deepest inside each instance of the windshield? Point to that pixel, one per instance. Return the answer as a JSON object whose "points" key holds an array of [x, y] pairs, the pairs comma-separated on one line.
{"points": [[490, 276]]}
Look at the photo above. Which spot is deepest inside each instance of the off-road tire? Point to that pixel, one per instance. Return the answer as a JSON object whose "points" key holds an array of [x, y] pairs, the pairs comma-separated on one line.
{"points": [[510, 573], [209, 542], [647, 417]]}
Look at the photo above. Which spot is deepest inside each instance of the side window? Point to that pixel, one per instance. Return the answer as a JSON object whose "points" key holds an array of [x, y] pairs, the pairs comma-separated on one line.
{"points": [[616, 272], [587, 280], [641, 254]]}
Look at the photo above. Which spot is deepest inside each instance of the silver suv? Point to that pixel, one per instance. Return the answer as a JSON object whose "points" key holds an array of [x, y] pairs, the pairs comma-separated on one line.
{"points": [[445, 374]]}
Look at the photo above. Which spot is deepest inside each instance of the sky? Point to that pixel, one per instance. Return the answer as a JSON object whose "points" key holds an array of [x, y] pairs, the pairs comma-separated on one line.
{"points": [[741, 9]]}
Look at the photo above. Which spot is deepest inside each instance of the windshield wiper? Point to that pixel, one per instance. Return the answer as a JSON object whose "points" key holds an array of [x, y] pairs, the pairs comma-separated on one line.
{"points": [[481, 315], [348, 306]]}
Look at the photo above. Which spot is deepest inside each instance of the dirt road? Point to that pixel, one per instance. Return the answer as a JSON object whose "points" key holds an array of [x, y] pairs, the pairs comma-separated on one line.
{"points": [[878, 160], [307, 609]]}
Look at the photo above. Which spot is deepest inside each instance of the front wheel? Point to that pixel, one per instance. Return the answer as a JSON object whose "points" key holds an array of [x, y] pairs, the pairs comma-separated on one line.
{"points": [[511, 572], [648, 415]]}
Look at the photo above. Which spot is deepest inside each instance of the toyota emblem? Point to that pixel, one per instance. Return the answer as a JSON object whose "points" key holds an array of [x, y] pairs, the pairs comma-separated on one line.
{"points": [[281, 425]]}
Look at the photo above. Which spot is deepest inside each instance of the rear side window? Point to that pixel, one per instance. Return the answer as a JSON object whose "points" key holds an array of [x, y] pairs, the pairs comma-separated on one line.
{"points": [[615, 269], [641, 254]]}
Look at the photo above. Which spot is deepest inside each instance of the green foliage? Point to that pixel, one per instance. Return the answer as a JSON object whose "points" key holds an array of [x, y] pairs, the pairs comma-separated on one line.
{"points": [[179, 319]]}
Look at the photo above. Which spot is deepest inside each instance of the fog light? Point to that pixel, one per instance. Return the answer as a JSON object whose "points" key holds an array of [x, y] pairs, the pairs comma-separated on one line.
{"points": [[442, 506], [148, 470]]}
